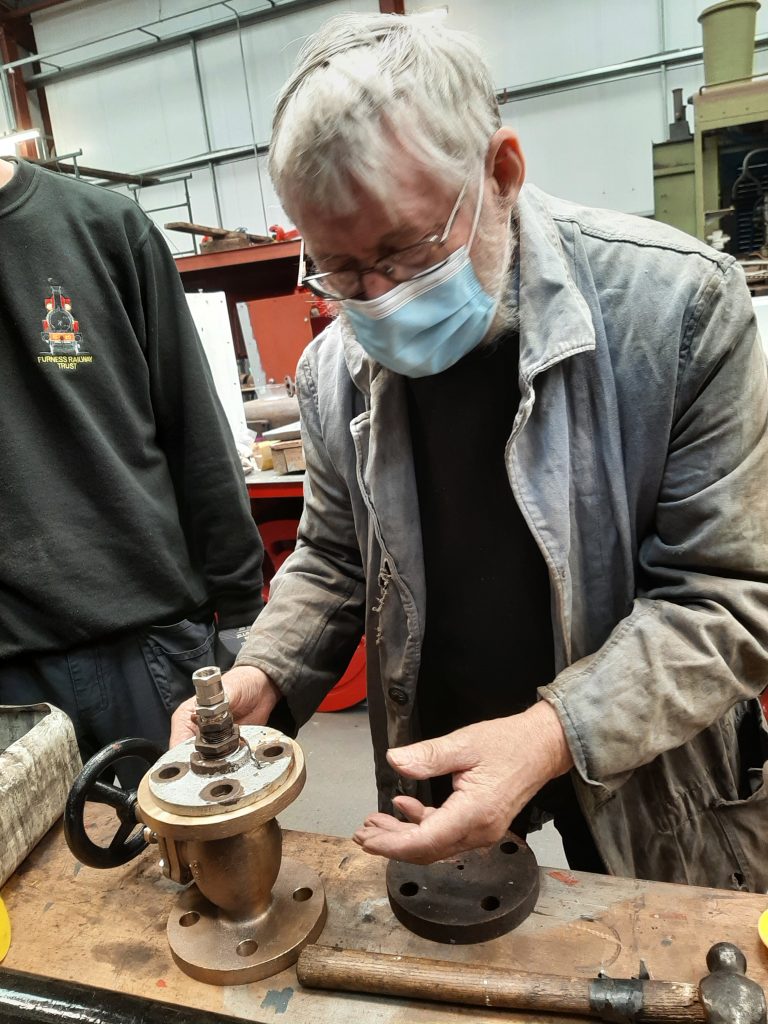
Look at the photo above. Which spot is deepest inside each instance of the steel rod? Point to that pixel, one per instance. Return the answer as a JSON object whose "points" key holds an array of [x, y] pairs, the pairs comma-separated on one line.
{"points": [[33, 999]]}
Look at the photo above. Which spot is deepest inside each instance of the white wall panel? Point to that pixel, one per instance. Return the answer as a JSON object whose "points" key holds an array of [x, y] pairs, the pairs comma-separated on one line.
{"points": [[241, 196], [271, 48], [241, 204], [592, 145], [131, 116], [84, 24], [527, 42], [226, 101], [270, 52]]}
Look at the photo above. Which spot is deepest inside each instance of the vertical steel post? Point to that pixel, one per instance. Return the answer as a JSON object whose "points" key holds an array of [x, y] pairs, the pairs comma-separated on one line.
{"points": [[10, 114], [207, 133]]}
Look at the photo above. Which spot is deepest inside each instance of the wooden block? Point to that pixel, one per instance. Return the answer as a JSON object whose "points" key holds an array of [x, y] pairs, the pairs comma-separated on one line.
{"points": [[288, 457]]}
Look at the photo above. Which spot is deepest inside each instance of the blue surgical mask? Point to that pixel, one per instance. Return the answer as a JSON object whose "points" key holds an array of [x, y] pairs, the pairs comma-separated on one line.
{"points": [[424, 326]]}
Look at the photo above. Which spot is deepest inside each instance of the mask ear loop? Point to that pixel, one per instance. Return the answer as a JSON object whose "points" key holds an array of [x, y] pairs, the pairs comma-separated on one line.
{"points": [[478, 208]]}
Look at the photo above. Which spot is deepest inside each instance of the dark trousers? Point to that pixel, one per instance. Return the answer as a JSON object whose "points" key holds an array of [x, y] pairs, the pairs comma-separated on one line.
{"points": [[580, 849], [559, 799], [126, 686]]}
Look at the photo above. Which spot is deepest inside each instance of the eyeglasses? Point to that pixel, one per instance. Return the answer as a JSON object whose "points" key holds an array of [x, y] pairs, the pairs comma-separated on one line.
{"points": [[407, 264]]}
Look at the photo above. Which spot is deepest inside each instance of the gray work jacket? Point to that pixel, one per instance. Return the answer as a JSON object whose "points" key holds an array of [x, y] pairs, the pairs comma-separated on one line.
{"points": [[639, 458]]}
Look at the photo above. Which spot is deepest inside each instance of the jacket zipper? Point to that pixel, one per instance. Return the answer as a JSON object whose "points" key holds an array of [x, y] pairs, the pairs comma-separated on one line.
{"points": [[389, 562], [554, 575]]}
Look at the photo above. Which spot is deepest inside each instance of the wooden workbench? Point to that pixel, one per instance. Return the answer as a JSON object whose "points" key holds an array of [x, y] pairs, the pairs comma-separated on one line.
{"points": [[107, 928]]}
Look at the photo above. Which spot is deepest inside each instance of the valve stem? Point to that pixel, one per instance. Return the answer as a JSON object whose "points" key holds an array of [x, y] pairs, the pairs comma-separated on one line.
{"points": [[217, 734]]}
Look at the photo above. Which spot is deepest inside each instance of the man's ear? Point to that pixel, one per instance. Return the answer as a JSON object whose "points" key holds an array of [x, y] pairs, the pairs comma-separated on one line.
{"points": [[505, 164]]}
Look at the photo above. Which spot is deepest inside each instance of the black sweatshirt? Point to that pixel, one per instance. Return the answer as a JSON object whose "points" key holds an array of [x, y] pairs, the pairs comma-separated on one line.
{"points": [[122, 501]]}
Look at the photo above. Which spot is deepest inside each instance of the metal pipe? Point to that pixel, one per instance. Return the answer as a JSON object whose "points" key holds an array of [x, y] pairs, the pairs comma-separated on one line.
{"points": [[612, 72], [169, 42], [664, 75], [33, 999], [219, 156], [126, 31]]}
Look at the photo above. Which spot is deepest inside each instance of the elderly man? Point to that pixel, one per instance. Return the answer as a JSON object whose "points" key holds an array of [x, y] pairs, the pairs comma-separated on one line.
{"points": [[536, 452]]}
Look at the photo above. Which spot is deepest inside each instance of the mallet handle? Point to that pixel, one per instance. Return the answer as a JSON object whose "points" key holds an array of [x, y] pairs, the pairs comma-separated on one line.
{"points": [[381, 974]]}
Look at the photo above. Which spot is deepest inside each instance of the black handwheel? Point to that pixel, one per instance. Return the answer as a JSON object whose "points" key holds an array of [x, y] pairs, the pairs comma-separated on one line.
{"points": [[89, 787]]}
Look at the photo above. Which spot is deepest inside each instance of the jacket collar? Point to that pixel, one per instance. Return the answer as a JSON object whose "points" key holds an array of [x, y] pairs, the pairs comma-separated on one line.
{"points": [[555, 322]]}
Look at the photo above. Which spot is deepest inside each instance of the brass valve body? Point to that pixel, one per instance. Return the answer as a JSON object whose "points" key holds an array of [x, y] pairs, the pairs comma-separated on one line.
{"points": [[210, 805]]}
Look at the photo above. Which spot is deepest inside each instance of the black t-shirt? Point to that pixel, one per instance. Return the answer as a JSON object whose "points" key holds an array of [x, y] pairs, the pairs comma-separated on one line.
{"points": [[488, 641]]}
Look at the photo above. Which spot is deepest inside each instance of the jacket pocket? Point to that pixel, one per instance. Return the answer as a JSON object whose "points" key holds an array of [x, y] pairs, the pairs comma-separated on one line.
{"points": [[183, 640], [173, 653], [744, 824]]}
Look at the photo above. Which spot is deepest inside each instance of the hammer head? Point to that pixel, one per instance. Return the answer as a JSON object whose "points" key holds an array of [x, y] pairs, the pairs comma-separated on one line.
{"points": [[728, 997]]}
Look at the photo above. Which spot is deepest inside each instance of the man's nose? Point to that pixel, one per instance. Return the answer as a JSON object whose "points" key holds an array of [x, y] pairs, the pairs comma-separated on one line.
{"points": [[375, 284]]}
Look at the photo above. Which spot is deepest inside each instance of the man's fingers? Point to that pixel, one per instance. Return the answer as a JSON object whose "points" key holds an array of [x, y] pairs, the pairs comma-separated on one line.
{"points": [[442, 756], [413, 809], [445, 832], [378, 825], [251, 694], [385, 821], [405, 845]]}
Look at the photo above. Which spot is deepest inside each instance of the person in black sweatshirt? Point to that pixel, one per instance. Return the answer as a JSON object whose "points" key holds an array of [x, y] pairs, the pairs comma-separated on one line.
{"points": [[125, 527]]}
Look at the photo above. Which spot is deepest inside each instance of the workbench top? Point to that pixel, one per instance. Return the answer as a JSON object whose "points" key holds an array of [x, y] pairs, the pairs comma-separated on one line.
{"points": [[107, 928], [265, 477]]}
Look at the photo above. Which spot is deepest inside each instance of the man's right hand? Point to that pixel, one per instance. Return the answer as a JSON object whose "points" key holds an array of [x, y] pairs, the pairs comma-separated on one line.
{"points": [[251, 694]]}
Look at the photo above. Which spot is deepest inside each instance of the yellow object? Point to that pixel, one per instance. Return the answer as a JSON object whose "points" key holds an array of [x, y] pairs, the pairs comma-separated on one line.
{"points": [[262, 453], [5, 931], [762, 927]]}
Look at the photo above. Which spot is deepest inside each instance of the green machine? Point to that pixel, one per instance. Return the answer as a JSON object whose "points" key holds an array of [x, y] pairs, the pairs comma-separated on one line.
{"points": [[713, 183]]}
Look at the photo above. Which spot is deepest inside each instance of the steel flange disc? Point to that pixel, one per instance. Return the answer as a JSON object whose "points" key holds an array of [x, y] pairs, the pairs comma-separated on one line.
{"points": [[469, 898]]}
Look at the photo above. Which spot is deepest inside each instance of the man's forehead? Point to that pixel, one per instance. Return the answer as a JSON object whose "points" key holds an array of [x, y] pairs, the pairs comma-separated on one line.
{"points": [[377, 223]]}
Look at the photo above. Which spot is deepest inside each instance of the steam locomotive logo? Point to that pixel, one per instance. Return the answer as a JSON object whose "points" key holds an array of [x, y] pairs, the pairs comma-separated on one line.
{"points": [[61, 332]]}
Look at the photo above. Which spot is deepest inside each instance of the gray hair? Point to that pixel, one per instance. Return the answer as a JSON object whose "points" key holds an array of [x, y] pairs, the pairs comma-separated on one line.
{"points": [[365, 83]]}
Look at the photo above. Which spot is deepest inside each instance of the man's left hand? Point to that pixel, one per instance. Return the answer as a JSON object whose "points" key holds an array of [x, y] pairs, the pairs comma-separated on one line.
{"points": [[497, 767]]}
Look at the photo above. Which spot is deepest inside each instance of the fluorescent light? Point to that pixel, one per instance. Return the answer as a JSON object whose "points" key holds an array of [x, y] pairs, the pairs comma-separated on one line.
{"points": [[8, 143]]}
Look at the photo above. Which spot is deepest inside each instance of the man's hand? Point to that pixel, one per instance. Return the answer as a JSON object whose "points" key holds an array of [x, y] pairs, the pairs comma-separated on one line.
{"points": [[251, 694], [497, 768]]}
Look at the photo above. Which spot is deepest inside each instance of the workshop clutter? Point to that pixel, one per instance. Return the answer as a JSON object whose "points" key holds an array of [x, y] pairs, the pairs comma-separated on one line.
{"points": [[282, 456]]}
